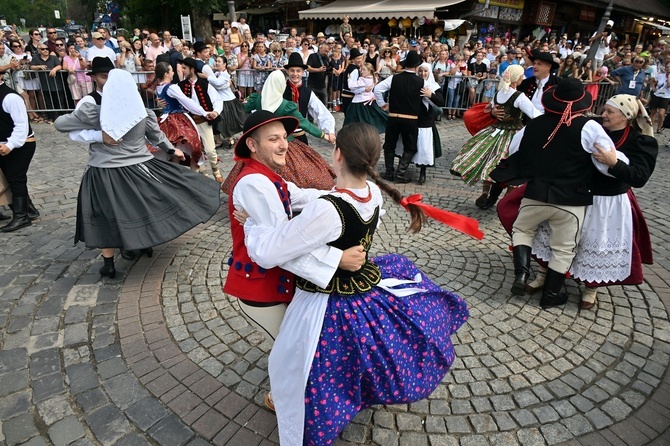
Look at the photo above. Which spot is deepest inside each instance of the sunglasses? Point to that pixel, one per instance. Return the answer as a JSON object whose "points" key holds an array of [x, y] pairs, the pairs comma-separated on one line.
{"points": [[639, 61], [277, 51], [60, 44], [52, 32], [16, 46], [99, 38], [36, 34], [43, 49]]}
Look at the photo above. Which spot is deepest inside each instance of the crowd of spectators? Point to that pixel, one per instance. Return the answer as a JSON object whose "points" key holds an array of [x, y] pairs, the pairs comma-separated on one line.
{"points": [[50, 71]]}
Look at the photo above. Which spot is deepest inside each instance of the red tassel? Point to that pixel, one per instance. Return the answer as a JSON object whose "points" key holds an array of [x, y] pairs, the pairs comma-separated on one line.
{"points": [[459, 222]]}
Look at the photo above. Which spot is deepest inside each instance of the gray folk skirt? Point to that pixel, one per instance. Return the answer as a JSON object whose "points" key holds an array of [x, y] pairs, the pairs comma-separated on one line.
{"points": [[142, 205]]}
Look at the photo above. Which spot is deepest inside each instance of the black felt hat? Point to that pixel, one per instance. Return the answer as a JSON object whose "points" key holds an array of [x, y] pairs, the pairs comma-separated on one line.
{"points": [[101, 65], [199, 46], [412, 60], [190, 62], [295, 60], [568, 93], [544, 56]]}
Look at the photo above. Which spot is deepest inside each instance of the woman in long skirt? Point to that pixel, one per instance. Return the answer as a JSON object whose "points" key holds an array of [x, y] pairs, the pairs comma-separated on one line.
{"points": [[379, 335], [128, 199], [177, 125], [233, 114], [615, 240], [482, 153]]}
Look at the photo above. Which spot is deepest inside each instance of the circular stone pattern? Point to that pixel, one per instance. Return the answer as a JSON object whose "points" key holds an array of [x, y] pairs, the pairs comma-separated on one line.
{"points": [[521, 374]]}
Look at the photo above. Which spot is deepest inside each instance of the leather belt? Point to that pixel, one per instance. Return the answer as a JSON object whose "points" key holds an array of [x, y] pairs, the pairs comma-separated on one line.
{"points": [[31, 139], [198, 119], [299, 133], [400, 115], [346, 95]]}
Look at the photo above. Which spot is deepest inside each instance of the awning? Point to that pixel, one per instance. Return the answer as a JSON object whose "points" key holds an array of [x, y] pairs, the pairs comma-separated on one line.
{"points": [[452, 24], [376, 9], [250, 11]]}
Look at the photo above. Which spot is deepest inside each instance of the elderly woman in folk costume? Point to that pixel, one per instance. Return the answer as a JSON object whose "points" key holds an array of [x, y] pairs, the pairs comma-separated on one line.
{"points": [[128, 199], [615, 240], [304, 166], [428, 142], [482, 153]]}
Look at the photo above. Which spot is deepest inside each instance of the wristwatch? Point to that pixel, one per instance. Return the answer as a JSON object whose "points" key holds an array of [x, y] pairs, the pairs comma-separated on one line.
{"points": [[171, 151]]}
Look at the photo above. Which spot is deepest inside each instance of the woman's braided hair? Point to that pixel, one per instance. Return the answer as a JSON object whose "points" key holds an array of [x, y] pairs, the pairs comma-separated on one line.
{"points": [[361, 147]]}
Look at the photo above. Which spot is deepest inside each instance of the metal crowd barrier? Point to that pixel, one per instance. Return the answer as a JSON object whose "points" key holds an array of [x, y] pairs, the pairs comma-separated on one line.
{"points": [[53, 95]]}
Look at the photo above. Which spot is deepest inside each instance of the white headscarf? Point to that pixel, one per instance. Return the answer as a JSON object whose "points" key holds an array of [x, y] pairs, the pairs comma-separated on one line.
{"points": [[122, 107], [430, 82], [633, 109], [273, 91], [512, 74]]}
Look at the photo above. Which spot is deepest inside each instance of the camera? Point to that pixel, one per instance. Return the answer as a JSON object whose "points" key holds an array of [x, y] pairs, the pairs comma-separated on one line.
{"points": [[608, 29]]}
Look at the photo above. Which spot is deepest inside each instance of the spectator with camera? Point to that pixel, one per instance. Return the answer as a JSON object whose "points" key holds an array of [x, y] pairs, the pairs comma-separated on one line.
{"points": [[602, 41]]}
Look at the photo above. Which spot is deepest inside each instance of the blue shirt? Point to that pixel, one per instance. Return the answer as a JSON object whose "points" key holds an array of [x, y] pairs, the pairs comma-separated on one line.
{"points": [[504, 64], [628, 74]]}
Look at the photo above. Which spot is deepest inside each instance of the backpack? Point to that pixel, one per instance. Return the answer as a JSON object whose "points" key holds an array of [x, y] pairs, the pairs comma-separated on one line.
{"points": [[165, 57]]}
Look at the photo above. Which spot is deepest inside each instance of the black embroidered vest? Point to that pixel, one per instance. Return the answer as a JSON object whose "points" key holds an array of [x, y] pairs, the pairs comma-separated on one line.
{"points": [[355, 231]]}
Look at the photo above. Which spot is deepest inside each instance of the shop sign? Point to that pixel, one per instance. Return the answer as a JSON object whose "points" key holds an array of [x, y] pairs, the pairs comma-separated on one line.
{"points": [[514, 4]]}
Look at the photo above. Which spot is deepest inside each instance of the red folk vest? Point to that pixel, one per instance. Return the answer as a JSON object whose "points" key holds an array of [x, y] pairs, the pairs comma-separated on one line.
{"points": [[246, 279]]}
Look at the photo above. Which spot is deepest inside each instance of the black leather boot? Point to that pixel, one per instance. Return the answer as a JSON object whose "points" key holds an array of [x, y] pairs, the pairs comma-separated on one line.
{"points": [[389, 159], [20, 215], [33, 213], [422, 175], [149, 252], [521, 269], [402, 175], [551, 295], [494, 194], [108, 269]]}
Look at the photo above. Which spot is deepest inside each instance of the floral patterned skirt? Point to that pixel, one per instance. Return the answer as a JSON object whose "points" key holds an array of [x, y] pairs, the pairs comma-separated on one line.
{"points": [[377, 348]]}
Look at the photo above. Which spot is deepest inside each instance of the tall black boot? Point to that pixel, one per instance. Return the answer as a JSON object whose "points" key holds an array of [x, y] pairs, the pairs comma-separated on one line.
{"points": [[422, 175], [521, 269], [402, 175], [389, 160], [20, 215], [108, 268], [33, 213], [551, 295], [494, 193]]}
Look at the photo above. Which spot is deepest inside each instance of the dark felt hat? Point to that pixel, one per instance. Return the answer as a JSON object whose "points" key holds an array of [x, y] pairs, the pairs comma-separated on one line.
{"points": [[295, 60], [412, 60], [189, 62], [101, 65], [257, 120], [354, 53], [568, 93], [544, 56], [199, 46]]}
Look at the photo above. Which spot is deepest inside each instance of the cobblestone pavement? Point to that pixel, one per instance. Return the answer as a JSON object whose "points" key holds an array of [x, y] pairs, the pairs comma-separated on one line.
{"points": [[160, 355]]}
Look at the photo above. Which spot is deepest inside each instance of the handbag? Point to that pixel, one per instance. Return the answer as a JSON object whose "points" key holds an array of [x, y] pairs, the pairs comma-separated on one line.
{"points": [[476, 119], [71, 79], [5, 192]]}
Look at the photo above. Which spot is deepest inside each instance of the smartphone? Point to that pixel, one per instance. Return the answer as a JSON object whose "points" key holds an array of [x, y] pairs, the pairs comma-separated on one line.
{"points": [[463, 68]]}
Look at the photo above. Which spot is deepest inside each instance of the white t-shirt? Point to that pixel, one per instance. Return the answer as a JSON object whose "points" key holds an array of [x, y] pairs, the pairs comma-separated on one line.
{"points": [[105, 51]]}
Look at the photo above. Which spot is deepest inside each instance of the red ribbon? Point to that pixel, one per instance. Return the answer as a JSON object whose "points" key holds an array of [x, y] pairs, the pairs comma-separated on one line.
{"points": [[461, 223]]}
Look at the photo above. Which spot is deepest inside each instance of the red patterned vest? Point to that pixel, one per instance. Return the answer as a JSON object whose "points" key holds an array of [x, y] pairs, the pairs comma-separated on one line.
{"points": [[247, 280]]}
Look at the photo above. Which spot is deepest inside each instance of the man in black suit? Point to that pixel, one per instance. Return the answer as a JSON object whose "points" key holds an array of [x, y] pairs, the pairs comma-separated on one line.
{"points": [[404, 105]]}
